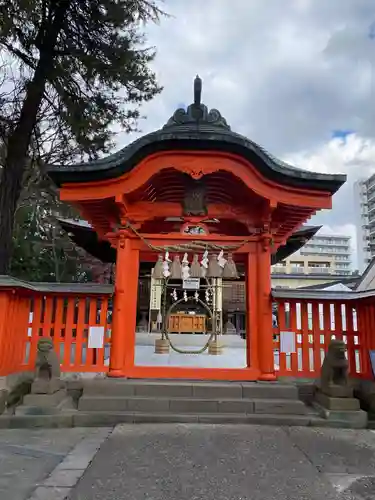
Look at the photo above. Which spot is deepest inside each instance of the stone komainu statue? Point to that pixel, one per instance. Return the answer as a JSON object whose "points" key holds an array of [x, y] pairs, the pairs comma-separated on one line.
{"points": [[335, 366], [47, 366]]}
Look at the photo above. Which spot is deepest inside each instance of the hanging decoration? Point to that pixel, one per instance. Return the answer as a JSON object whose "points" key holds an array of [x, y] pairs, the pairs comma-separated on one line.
{"points": [[211, 269], [166, 263], [195, 268], [204, 263], [220, 259], [214, 270], [185, 267], [176, 268], [185, 272], [158, 271], [159, 321], [211, 266], [230, 269]]}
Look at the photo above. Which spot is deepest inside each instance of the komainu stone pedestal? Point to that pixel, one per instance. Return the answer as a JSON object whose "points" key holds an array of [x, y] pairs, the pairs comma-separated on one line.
{"points": [[337, 398], [47, 397], [48, 394], [343, 411], [334, 396]]}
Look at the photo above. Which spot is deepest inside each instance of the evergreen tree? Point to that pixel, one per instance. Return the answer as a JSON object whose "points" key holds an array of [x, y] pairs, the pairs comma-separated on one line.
{"points": [[76, 68], [42, 250]]}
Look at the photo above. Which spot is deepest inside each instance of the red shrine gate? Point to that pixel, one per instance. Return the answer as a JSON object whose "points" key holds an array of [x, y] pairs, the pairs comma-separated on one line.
{"points": [[194, 182]]}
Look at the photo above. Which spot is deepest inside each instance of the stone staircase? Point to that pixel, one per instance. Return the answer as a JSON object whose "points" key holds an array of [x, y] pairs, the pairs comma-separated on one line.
{"points": [[111, 401]]}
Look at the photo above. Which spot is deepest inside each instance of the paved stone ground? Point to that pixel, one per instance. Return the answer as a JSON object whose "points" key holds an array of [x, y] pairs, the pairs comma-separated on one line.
{"points": [[28, 456], [193, 462]]}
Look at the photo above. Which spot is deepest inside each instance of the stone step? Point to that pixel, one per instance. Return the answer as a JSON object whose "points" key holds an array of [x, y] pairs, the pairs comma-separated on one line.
{"points": [[36, 410], [61, 404], [191, 405], [108, 419], [182, 389], [100, 419]]}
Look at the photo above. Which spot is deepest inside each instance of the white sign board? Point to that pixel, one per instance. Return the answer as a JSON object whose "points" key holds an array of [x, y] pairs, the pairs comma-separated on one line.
{"points": [[30, 329], [191, 284], [155, 294], [287, 342], [96, 337]]}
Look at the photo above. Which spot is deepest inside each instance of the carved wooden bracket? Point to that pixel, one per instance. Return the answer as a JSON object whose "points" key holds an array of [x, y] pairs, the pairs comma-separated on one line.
{"points": [[118, 238], [194, 202], [193, 167], [122, 208], [266, 241]]}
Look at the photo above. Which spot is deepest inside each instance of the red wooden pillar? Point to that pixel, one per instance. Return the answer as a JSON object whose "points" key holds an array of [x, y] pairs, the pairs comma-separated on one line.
{"points": [[264, 319], [130, 308], [251, 311], [125, 308]]}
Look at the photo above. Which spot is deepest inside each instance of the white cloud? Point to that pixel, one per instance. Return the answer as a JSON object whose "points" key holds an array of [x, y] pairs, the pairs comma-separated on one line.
{"points": [[280, 72], [284, 73], [353, 156]]}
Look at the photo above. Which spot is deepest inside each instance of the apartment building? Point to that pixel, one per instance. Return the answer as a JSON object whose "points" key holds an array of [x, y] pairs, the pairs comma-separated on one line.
{"points": [[322, 255], [335, 251], [364, 200]]}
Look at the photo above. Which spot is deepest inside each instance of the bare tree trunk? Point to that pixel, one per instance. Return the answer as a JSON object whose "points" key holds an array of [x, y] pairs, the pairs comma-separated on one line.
{"points": [[14, 167], [20, 138]]}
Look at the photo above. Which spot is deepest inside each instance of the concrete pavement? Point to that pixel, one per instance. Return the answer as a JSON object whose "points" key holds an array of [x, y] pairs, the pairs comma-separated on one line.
{"points": [[28, 456], [190, 461], [194, 462]]}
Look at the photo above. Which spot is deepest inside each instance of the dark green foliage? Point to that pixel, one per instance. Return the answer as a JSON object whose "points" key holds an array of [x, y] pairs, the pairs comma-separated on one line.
{"points": [[73, 69], [42, 250]]}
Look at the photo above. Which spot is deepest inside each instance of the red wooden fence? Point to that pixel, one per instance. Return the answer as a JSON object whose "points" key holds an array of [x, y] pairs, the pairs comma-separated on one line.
{"points": [[318, 317], [315, 324], [67, 312], [67, 320], [63, 312]]}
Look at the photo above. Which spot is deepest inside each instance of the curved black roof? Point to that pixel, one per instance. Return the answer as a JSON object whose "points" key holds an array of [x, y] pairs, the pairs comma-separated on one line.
{"points": [[295, 241], [195, 129]]}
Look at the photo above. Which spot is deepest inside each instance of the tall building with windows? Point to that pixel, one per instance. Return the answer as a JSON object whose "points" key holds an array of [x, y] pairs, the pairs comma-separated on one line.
{"points": [[364, 196], [335, 250], [322, 255]]}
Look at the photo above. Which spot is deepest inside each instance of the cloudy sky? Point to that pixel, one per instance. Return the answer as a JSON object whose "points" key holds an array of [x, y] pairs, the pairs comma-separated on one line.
{"points": [[296, 76]]}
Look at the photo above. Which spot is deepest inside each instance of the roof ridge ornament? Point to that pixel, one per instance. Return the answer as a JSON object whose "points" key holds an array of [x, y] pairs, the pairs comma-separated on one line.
{"points": [[197, 113], [197, 91]]}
